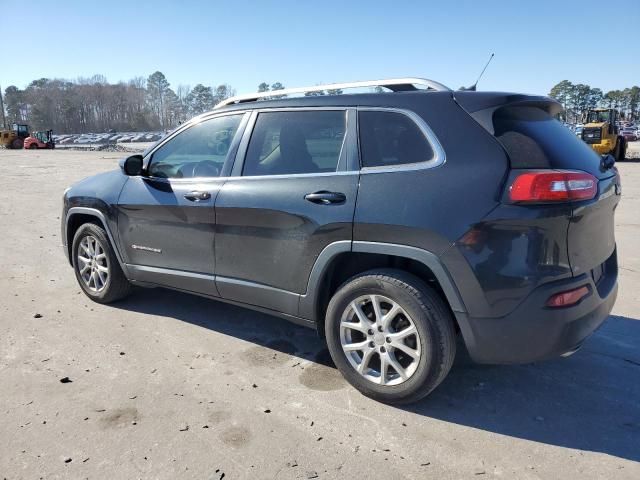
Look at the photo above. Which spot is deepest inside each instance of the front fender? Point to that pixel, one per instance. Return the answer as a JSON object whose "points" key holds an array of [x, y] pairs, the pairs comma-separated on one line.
{"points": [[96, 197]]}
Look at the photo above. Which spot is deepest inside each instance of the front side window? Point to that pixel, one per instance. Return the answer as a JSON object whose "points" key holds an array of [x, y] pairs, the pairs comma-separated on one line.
{"points": [[285, 143], [390, 139], [199, 151]]}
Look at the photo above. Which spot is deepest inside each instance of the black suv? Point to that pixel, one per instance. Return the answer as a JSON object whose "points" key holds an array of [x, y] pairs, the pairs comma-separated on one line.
{"points": [[392, 222]]}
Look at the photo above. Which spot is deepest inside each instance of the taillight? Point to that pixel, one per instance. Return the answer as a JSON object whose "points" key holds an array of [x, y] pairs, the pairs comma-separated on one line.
{"points": [[553, 186], [568, 298]]}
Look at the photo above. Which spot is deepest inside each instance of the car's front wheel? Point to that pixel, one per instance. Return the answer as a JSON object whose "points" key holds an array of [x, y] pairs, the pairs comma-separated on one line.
{"points": [[96, 266], [391, 335]]}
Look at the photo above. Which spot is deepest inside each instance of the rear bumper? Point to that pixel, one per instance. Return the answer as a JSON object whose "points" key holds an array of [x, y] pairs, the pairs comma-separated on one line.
{"points": [[533, 332]]}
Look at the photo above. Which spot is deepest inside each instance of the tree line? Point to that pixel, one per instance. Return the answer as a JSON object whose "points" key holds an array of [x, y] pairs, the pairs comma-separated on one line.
{"points": [[95, 105], [577, 98]]}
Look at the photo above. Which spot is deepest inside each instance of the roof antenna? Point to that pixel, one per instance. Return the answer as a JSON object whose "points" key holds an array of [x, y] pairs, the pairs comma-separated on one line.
{"points": [[472, 88]]}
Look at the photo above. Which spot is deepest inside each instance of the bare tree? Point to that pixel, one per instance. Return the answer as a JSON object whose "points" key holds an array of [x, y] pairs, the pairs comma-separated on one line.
{"points": [[157, 87]]}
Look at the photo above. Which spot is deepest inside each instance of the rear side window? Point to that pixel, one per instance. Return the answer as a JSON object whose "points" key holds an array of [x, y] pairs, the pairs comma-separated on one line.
{"points": [[391, 138], [284, 143], [534, 139]]}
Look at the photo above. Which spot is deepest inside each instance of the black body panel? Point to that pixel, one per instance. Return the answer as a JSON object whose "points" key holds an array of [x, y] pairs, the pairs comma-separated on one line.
{"points": [[155, 214], [591, 236], [533, 332], [433, 207], [159, 227], [503, 258], [268, 234], [99, 192]]}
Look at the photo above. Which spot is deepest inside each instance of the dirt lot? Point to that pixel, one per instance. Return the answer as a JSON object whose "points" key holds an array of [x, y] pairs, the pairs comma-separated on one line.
{"points": [[167, 385]]}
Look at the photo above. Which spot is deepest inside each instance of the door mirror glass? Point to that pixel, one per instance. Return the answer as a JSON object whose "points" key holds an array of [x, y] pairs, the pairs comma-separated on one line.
{"points": [[132, 165]]}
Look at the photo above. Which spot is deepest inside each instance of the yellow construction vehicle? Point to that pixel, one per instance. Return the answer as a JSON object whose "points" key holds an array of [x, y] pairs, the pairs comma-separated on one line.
{"points": [[14, 138], [602, 134]]}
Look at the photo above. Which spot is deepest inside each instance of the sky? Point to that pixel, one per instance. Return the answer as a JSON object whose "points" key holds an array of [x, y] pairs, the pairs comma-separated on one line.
{"points": [[537, 43]]}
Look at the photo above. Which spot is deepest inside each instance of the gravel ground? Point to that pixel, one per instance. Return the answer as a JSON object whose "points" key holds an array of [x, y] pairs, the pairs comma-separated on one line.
{"points": [[167, 385]]}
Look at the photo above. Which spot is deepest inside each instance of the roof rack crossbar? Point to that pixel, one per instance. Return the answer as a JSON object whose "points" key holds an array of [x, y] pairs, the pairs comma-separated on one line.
{"points": [[393, 84]]}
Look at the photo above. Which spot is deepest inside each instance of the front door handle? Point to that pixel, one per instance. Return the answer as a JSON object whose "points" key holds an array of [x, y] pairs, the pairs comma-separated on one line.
{"points": [[196, 196], [325, 198]]}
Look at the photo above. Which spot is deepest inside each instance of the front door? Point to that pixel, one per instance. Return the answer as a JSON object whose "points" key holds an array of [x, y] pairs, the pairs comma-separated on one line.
{"points": [[166, 217], [293, 195]]}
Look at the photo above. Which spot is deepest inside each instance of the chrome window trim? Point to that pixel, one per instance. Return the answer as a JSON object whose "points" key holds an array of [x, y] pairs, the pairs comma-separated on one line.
{"points": [[293, 175], [439, 156], [438, 159]]}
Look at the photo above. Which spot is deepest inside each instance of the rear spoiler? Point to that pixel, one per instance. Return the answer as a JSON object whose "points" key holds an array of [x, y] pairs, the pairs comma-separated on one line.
{"points": [[482, 105]]}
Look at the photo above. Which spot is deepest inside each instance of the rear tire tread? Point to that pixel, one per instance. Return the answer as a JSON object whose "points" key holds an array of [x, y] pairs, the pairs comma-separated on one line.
{"points": [[431, 303]]}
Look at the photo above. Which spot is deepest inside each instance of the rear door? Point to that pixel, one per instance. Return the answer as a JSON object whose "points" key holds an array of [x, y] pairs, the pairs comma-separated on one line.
{"points": [[166, 219], [292, 193]]}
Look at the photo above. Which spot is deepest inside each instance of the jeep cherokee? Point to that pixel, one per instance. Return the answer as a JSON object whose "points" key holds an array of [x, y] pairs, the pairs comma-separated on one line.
{"points": [[392, 222]]}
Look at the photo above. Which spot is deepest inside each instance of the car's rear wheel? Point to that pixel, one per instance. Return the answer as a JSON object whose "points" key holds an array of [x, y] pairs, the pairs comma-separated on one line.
{"points": [[96, 265], [619, 152], [623, 149], [391, 335], [33, 146]]}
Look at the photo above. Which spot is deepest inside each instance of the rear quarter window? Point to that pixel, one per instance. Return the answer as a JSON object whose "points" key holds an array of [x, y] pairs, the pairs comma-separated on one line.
{"points": [[391, 139]]}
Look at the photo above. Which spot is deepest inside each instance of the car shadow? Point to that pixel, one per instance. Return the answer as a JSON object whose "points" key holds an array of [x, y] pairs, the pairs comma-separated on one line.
{"points": [[589, 401], [248, 325]]}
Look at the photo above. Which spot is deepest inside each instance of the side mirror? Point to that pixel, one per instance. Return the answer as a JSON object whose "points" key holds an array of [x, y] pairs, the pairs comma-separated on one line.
{"points": [[132, 165]]}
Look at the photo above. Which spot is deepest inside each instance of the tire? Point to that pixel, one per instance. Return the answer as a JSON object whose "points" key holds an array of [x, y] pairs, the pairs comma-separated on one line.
{"points": [[17, 143], [33, 146], [432, 345], [623, 149], [620, 151], [99, 285]]}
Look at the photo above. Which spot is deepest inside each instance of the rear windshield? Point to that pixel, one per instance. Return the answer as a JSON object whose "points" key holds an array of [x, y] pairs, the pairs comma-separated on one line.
{"points": [[534, 139]]}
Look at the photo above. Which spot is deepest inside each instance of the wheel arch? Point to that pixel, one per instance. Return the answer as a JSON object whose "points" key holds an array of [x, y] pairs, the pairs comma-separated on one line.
{"points": [[78, 216], [340, 261]]}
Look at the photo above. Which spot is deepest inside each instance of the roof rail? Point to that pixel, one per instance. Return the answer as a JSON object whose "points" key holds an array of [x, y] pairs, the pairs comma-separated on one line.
{"points": [[393, 84]]}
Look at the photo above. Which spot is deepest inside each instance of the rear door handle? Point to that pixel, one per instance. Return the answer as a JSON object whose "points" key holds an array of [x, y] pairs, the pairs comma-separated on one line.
{"points": [[196, 196], [325, 198]]}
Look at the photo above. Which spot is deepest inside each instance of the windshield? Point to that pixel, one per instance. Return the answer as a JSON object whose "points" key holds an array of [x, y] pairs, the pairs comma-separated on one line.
{"points": [[598, 116]]}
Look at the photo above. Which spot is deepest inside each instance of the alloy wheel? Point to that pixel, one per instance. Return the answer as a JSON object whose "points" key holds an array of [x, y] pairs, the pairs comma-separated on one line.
{"points": [[380, 340], [93, 264]]}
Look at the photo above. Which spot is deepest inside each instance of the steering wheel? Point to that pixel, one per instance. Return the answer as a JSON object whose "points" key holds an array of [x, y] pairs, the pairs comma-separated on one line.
{"points": [[205, 169]]}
